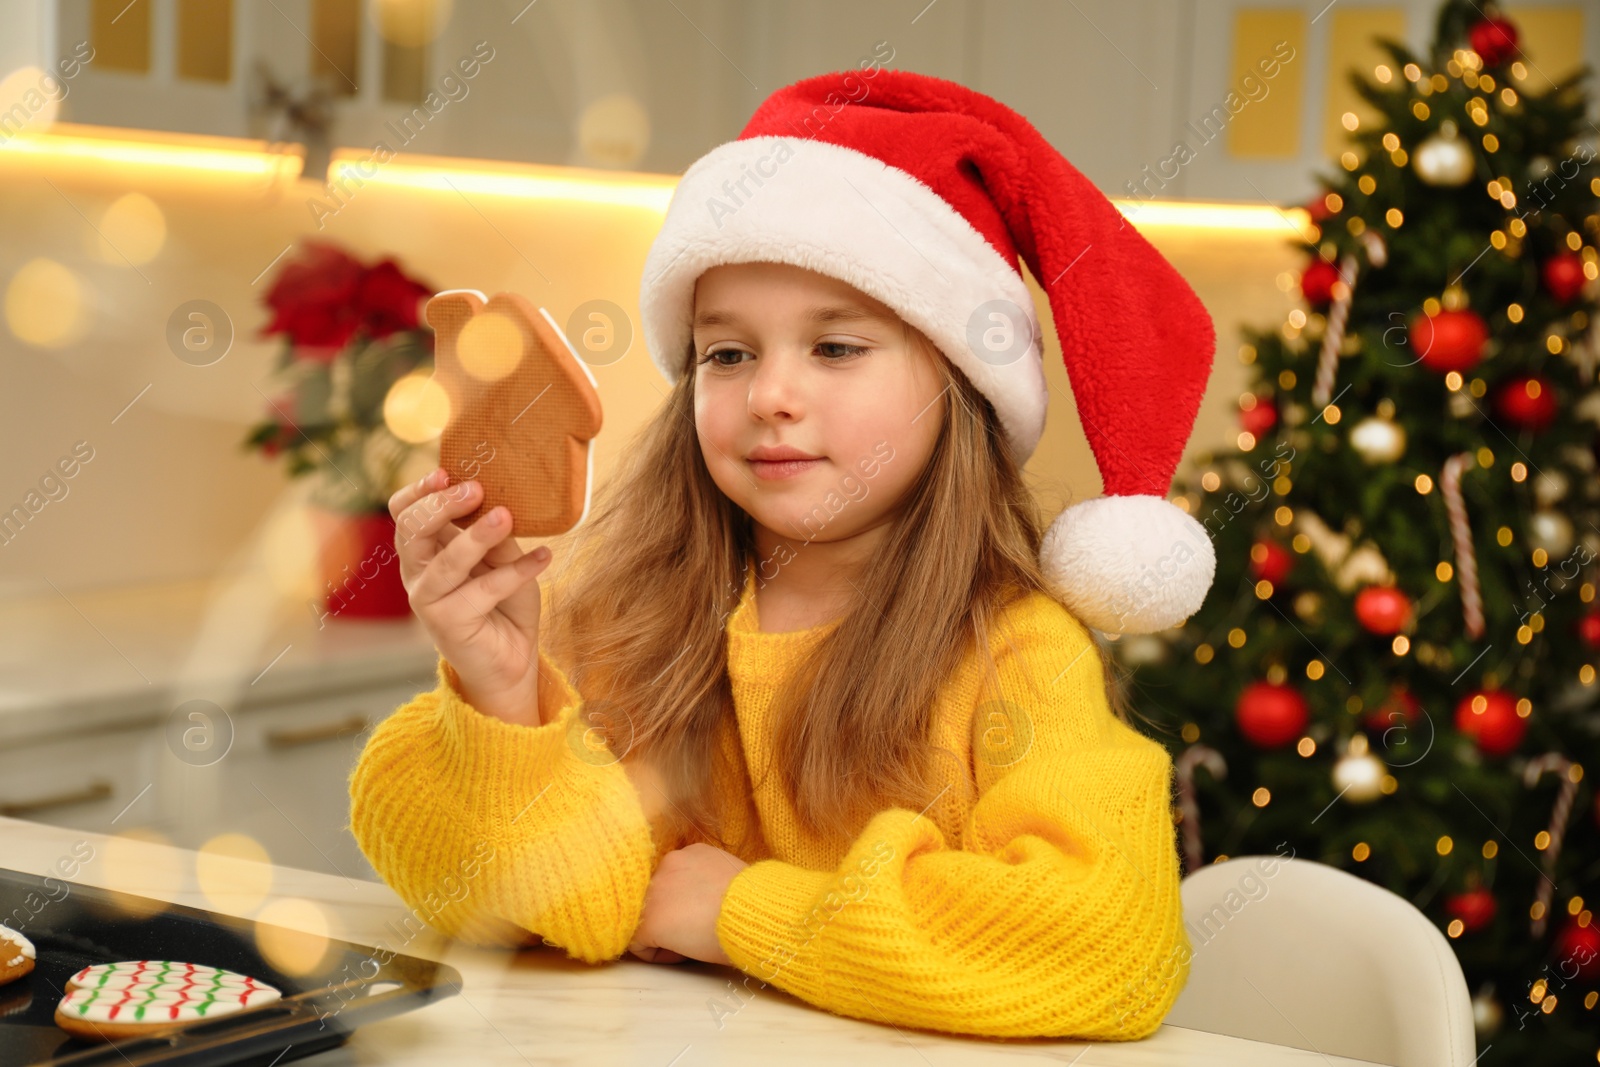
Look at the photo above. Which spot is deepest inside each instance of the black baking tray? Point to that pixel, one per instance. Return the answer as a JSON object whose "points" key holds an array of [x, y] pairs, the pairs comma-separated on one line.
{"points": [[73, 925]]}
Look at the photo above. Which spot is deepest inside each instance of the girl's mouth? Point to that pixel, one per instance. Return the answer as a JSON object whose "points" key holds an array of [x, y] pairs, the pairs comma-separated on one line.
{"points": [[771, 469]]}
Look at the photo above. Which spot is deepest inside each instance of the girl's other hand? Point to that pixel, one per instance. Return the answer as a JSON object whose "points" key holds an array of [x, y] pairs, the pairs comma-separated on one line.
{"points": [[474, 591], [682, 904]]}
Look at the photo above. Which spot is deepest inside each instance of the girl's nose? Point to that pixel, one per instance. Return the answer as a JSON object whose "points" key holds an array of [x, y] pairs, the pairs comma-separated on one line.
{"points": [[775, 388]]}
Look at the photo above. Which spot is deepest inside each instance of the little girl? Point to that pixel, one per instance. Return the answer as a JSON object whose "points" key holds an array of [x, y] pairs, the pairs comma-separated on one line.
{"points": [[813, 692]]}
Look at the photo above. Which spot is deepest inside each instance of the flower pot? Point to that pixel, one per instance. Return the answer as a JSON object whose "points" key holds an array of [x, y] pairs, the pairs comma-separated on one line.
{"points": [[360, 570]]}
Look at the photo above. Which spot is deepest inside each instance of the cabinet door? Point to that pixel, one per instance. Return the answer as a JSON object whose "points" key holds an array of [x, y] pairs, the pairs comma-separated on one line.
{"points": [[282, 779], [83, 783]]}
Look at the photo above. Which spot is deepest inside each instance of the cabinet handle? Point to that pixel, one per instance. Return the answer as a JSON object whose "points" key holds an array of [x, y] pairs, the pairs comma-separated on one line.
{"points": [[310, 735], [17, 809]]}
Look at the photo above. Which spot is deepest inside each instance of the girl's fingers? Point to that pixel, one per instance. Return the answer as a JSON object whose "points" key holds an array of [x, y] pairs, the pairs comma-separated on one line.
{"points": [[507, 551], [409, 493], [451, 566], [423, 527], [494, 586], [655, 954], [418, 524]]}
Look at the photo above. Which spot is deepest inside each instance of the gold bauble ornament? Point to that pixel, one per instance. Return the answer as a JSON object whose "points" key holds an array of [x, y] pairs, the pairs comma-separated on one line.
{"points": [[1359, 774], [1137, 650], [1378, 440], [1549, 487], [1486, 1013], [1444, 159], [1308, 606], [1551, 531]]}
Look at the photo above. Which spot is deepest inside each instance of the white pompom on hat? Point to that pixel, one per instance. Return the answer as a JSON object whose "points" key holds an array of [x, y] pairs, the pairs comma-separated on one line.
{"points": [[923, 194]]}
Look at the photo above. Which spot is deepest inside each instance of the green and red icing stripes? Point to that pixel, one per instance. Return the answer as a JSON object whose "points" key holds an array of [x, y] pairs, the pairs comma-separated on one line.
{"points": [[105, 975], [160, 991]]}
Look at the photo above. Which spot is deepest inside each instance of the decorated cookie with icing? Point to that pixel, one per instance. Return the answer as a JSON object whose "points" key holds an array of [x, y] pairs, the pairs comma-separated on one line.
{"points": [[149, 972], [134, 998], [16, 955]]}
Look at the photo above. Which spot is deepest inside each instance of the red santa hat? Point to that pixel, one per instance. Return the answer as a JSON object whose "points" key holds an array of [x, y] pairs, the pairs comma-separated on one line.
{"points": [[923, 194]]}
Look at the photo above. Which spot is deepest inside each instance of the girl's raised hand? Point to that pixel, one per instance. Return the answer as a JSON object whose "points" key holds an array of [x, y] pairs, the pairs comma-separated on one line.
{"points": [[474, 591]]}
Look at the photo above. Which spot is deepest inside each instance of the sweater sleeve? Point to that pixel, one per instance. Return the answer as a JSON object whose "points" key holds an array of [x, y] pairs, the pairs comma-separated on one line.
{"points": [[496, 833], [1058, 915]]}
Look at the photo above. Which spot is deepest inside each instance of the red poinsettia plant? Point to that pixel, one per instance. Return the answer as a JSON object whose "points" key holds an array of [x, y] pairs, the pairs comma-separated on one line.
{"points": [[351, 330]]}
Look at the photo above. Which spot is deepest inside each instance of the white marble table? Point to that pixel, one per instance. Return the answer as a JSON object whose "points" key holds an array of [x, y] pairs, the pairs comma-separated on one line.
{"points": [[539, 1007]]}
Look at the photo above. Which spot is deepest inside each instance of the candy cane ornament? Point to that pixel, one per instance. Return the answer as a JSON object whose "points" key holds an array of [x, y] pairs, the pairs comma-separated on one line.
{"points": [[1193, 849], [1339, 313], [1552, 761], [1461, 537]]}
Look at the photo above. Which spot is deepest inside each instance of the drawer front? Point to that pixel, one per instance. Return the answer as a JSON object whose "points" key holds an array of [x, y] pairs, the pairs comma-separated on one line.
{"points": [[80, 783], [277, 773], [283, 780]]}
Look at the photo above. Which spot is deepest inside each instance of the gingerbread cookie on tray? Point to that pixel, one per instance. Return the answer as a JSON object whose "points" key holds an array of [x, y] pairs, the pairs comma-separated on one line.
{"points": [[136, 998], [16, 955], [524, 411]]}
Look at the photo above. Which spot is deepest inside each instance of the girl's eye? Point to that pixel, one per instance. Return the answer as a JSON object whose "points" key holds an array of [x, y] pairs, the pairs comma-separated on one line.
{"points": [[833, 351], [844, 351], [711, 356]]}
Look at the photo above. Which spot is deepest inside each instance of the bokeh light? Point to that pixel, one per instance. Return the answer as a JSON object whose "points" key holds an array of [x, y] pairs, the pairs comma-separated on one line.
{"points": [[31, 97], [289, 545], [133, 229], [155, 875], [294, 935], [234, 872], [614, 131], [490, 346], [416, 408], [47, 305]]}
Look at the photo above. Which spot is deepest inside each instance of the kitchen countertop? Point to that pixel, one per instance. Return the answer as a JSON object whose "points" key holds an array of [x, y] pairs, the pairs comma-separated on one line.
{"points": [[538, 1006], [79, 660]]}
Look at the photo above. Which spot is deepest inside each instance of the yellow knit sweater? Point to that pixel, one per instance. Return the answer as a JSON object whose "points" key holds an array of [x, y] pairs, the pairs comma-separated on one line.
{"points": [[1036, 896]]}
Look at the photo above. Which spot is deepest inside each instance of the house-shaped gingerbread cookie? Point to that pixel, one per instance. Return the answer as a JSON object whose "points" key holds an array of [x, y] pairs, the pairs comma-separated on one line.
{"points": [[524, 411]]}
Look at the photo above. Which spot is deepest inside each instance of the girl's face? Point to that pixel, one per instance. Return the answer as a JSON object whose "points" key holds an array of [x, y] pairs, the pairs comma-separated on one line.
{"points": [[789, 360]]}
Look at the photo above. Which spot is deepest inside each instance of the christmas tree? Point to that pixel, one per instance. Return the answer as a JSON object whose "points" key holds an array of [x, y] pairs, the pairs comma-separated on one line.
{"points": [[1394, 672]]}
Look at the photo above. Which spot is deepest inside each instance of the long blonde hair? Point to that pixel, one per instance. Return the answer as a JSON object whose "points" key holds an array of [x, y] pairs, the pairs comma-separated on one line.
{"points": [[641, 591]]}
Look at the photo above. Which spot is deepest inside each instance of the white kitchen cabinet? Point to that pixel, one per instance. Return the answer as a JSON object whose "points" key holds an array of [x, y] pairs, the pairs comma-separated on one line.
{"points": [[81, 783], [282, 780]]}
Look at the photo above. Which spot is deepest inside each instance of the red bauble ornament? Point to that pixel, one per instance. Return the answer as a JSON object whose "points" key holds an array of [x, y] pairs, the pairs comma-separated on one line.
{"points": [[1490, 718], [1271, 561], [1577, 950], [1589, 630], [1563, 275], [1495, 39], [1449, 340], [1383, 609], [1316, 283], [1475, 908], [1259, 420], [1318, 208], [1528, 403], [1397, 712], [1270, 715]]}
